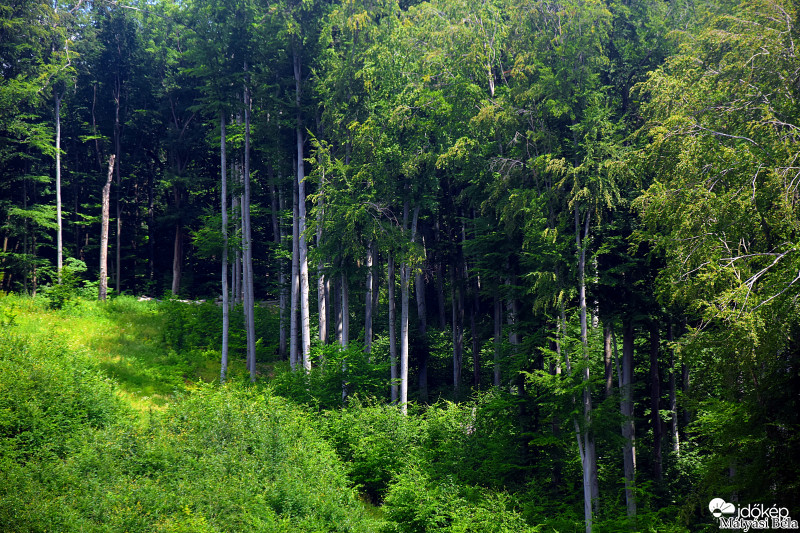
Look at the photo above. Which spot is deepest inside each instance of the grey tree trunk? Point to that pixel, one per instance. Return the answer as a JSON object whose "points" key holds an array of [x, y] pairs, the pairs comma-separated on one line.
{"points": [[473, 327], [626, 409], [337, 307], [305, 321], [59, 235], [117, 152], [247, 244], [345, 310], [224, 200], [392, 330], [295, 298], [405, 278], [498, 338], [422, 315], [177, 251], [322, 285], [655, 400], [458, 325], [277, 238], [607, 355], [673, 402], [103, 285], [589, 458], [368, 299]]}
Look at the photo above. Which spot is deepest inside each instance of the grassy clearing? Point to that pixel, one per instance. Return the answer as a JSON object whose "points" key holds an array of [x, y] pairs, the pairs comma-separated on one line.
{"points": [[125, 337]]}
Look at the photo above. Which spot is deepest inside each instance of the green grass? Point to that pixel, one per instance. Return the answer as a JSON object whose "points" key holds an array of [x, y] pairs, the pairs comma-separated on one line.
{"points": [[125, 337], [105, 426]]}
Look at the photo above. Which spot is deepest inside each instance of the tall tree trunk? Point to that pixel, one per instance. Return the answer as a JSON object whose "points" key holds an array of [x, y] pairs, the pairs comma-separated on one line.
{"points": [[422, 315], [305, 323], [224, 208], [345, 310], [293, 329], [589, 458], [284, 289], [368, 299], [103, 286], [673, 402], [473, 326], [118, 152], [247, 243], [337, 307], [151, 225], [607, 356], [177, 251], [236, 207], [59, 235], [322, 283], [457, 305], [655, 397], [440, 274], [626, 409], [405, 278], [498, 339], [392, 329]]}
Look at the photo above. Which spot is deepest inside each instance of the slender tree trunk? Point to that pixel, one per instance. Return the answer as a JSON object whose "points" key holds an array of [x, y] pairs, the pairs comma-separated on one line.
{"points": [[405, 278], [498, 338], [673, 402], [422, 315], [305, 323], [555, 370], [655, 403], [103, 286], [118, 152], [293, 329], [59, 235], [392, 329], [337, 307], [686, 388], [276, 239], [473, 326], [177, 251], [247, 242], [440, 295], [607, 356], [224, 208], [368, 299], [246, 302], [458, 326], [590, 482], [322, 284], [236, 207], [345, 310], [284, 289], [626, 409]]}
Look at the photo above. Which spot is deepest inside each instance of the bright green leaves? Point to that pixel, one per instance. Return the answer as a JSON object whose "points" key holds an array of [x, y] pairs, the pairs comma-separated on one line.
{"points": [[723, 144]]}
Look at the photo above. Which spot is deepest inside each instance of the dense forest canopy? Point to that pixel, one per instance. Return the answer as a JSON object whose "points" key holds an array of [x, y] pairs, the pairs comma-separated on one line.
{"points": [[590, 206]]}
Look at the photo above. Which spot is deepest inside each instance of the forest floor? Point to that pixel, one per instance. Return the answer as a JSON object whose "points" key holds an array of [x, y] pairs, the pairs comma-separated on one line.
{"points": [[127, 340]]}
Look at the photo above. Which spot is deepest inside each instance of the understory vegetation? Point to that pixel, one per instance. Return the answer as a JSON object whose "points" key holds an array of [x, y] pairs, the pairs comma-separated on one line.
{"points": [[110, 421]]}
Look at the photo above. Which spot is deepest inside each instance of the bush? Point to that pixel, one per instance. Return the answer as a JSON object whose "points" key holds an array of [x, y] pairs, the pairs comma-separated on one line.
{"points": [[48, 397], [416, 504], [337, 373], [221, 459], [375, 442]]}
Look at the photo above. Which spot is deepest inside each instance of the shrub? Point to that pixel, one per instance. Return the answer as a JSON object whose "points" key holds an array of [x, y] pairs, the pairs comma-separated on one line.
{"points": [[375, 442], [48, 396], [416, 504]]}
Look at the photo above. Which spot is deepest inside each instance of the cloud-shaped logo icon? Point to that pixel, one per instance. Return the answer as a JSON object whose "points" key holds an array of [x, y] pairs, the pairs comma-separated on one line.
{"points": [[719, 507]]}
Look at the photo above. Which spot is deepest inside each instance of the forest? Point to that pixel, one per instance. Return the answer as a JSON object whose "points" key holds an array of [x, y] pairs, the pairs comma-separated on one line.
{"points": [[400, 266]]}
